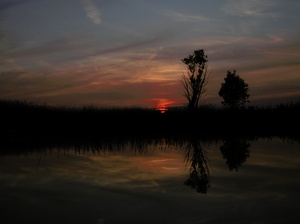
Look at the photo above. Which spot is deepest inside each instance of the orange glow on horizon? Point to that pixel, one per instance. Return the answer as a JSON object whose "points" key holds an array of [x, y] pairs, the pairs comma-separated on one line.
{"points": [[163, 104]]}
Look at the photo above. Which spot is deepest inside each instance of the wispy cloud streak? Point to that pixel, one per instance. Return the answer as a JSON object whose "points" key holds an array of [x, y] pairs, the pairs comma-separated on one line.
{"points": [[5, 4], [250, 8], [92, 11], [185, 18]]}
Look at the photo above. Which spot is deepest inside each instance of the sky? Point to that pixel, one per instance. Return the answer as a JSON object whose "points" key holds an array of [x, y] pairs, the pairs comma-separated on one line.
{"points": [[129, 52]]}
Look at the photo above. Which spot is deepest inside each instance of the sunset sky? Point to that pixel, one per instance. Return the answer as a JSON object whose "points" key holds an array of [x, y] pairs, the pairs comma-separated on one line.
{"points": [[128, 52]]}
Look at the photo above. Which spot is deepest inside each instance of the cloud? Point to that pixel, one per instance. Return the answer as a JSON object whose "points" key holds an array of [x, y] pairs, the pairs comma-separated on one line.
{"points": [[5, 4], [92, 11], [250, 8], [64, 49], [185, 18]]}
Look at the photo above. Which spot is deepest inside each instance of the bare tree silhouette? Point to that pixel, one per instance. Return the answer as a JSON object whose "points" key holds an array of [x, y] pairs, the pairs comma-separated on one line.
{"points": [[195, 80]]}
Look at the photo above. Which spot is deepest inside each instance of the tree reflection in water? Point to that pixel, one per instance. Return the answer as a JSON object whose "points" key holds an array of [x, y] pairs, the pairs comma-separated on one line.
{"points": [[235, 151], [198, 177]]}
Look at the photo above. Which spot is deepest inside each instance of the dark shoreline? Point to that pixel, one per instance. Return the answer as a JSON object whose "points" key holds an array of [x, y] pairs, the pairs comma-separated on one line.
{"points": [[25, 123]]}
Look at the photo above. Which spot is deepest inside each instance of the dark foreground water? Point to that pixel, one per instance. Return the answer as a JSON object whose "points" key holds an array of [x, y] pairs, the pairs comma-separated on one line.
{"points": [[222, 182]]}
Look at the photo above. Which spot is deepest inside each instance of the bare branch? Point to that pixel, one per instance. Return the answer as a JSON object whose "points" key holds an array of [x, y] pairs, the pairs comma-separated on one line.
{"points": [[195, 80]]}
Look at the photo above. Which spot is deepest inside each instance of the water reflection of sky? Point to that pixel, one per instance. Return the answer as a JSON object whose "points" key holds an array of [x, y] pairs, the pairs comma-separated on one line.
{"points": [[111, 170], [148, 188]]}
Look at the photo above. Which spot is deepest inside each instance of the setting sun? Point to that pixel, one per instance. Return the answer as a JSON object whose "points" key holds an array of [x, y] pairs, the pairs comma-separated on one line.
{"points": [[163, 104]]}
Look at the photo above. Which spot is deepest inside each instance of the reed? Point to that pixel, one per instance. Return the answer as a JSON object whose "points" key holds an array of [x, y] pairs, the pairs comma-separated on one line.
{"points": [[23, 121]]}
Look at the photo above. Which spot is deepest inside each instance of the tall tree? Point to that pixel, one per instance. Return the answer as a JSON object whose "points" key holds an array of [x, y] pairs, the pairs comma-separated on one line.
{"points": [[234, 90], [195, 80]]}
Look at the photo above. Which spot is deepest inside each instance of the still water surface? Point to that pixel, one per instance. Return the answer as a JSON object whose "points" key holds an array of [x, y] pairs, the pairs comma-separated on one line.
{"points": [[221, 182]]}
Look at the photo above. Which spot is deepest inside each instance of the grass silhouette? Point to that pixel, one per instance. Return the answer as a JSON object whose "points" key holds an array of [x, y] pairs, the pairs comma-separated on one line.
{"points": [[24, 122]]}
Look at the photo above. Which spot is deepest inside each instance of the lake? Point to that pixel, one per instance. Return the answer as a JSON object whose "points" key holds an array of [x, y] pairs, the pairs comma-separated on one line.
{"points": [[228, 181]]}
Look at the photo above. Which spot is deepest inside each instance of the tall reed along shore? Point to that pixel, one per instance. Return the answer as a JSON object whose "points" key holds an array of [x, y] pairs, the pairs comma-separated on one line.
{"points": [[25, 121]]}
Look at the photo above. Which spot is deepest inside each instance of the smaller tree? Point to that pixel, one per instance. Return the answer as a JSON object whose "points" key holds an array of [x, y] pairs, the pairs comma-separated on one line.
{"points": [[234, 90], [195, 80]]}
